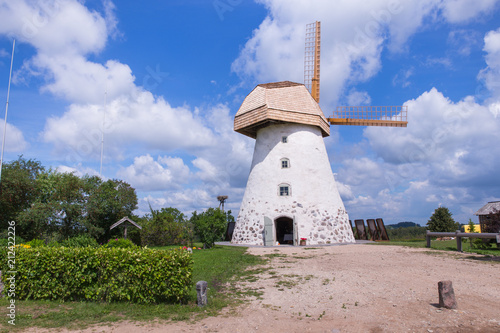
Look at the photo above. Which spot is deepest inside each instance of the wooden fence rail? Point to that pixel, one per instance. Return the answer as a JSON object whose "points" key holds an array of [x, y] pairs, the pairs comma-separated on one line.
{"points": [[459, 235]]}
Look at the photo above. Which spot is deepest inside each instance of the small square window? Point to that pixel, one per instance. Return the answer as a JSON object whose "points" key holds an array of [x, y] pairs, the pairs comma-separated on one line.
{"points": [[284, 191], [284, 164], [284, 139]]}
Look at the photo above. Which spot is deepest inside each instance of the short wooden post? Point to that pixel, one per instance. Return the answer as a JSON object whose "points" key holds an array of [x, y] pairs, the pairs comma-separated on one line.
{"points": [[428, 238], [459, 241]]}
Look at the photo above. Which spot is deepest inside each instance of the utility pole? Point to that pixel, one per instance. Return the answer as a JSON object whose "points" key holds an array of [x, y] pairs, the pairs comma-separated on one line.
{"points": [[6, 110]]}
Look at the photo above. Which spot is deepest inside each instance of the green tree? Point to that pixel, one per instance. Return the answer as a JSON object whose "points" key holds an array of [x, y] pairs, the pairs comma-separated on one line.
{"points": [[167, 226], [106, 203], [58, 207], [441, 221], [210, 225], [472, 229], [18, 188]]}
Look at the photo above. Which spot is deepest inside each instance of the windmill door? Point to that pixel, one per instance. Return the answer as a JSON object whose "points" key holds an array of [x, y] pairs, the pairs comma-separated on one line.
{"points": [[268, 231], [295, 232]]}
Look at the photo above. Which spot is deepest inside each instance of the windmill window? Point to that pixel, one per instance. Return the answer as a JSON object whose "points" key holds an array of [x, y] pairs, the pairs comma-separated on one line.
{"points": [[285, 163], [284, 190], [284, 139]]}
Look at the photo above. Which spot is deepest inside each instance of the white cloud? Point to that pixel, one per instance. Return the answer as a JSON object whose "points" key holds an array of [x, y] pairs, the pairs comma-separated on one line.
{"points": [[353, 35], [54, 27], [358, 98], [140, 120], [464, 40], [448, 154], [146, 174], [14, 138], [491, 74], [402, 78], [456, 11]]}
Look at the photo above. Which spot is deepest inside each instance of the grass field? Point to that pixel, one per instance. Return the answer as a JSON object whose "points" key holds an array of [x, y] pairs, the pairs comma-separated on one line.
{"points": [[218, 266]]}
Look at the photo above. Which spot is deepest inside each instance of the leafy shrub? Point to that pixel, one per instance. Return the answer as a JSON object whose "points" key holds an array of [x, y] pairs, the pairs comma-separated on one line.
{"points": [[167, 226], [120, 243], [408, 233], [210, 225], [5, 241], [101, 274], [80, 241], [483, 244], [36, 243]]}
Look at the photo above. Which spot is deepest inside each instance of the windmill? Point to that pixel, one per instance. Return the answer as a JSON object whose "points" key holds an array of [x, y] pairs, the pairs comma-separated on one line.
{"points": [[391, 116], [291, 195]]}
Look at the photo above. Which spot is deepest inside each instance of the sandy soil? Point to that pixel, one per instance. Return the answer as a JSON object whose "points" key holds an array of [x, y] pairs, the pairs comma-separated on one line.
{"points": [[356, 288]]}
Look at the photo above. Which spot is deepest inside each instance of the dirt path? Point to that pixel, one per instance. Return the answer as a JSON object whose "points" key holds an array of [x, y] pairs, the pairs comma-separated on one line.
{"points": [[356, 288]]}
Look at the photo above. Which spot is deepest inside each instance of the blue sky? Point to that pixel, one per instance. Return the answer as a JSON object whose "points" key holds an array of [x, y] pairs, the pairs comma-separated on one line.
{"points": [[175, 73]]}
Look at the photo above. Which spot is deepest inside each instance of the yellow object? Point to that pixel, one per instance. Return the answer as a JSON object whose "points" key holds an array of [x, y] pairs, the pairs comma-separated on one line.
{"points": [[477, 228]]}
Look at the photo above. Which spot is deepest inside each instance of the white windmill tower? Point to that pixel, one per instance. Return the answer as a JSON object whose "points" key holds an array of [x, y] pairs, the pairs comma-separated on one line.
{"points": [[291, 193]]}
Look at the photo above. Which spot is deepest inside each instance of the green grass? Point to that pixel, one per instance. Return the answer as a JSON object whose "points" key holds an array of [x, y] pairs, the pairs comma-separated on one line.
{"points": [[221, 267], [447, 245]]}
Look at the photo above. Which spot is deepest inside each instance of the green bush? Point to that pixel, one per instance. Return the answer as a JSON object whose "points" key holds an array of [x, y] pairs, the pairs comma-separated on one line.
{"points": [[36, 243], [79, 241], [101, 274], [5, 241], [167, 226], [210, 225], [408, 233], [121, 243]]}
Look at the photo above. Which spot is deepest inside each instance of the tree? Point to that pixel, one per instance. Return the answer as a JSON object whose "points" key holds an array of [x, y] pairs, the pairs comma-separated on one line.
{"points": [[106, 203], [164, 227], [441, 221], [58, 207], [472, 229], [18, 188], [210, 225]]}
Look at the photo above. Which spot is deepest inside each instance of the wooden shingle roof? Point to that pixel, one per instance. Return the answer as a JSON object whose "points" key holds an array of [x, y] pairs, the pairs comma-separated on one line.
{"points": [[279, 102], [489, 208]]}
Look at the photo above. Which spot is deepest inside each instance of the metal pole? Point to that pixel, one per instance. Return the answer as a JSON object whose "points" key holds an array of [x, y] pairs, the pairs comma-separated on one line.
{"points": [[6, 109], [102, 129]]}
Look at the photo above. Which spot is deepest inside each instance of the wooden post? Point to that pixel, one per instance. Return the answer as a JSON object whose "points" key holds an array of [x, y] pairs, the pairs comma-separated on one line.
{"points": [[459, 241], [428, 239]]}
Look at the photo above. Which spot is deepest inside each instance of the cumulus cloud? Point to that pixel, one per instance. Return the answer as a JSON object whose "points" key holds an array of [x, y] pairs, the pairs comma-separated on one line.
{"points": [[491, 74], [358, 98], [138, 120], [14, 138], [447, 155], [353, 35], [456, 11], [149, 175]]}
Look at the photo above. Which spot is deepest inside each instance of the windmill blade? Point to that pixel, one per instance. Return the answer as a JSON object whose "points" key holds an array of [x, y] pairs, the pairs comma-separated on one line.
{"points": [[312, 58], [390, 116]]}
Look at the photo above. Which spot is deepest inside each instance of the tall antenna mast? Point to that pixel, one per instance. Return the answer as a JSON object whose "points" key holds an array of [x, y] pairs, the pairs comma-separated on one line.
{"points": [[312, 58], [7, 109], [102, 129]]}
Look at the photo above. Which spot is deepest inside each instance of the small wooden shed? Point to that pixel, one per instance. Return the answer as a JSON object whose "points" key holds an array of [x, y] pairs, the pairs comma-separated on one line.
{"points": [[125, 223], [489, 216]]}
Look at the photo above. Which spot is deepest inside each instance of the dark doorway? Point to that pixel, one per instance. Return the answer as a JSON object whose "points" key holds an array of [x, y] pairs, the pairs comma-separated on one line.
{"points": [[284, 230]]}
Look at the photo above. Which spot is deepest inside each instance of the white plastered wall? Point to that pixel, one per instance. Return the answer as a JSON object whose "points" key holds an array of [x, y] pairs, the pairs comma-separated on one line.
{"points": [[314, 200]]}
